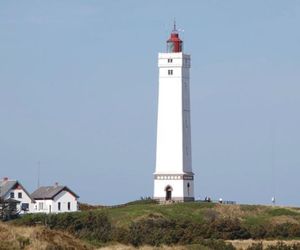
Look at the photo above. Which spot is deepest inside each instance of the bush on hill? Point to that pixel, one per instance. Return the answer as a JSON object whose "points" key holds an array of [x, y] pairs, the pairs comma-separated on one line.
{"points": [[257, 231], [228, 229], [278, 246], [285, 230], [88, 225]]}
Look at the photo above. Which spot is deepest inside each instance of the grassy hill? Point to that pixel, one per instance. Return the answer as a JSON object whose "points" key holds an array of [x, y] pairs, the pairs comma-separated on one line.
{"points": [[202, 212], [196, 225]]}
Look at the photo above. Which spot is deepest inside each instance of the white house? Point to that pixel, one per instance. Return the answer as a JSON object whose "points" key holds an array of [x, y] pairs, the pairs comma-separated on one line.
{"points": [[13, 190], [55, 199]]}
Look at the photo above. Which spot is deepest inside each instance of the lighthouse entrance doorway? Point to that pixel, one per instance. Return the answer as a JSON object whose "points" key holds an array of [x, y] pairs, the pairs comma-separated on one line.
{"points": [[168, 193]]}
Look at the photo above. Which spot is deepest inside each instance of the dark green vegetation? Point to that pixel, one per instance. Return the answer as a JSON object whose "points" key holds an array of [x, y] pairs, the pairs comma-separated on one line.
{"points": [[8, 209], [147, 223]]}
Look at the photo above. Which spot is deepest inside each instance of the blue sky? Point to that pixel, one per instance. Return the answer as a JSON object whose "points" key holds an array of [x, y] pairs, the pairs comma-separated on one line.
{"points": [[78, 92]]}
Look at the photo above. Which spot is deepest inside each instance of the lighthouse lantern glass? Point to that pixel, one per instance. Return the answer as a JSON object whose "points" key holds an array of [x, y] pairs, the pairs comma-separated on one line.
{"points": [[170, 47], [174, 44], [180, 46]]}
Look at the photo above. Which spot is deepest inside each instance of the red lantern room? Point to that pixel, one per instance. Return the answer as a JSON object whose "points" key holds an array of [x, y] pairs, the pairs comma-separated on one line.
{"points": [[174, 44]]}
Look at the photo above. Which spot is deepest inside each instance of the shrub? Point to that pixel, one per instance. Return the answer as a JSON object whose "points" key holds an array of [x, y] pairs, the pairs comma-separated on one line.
{"points": [[228, 229], [88, 225], [256, 246], [285, 230], [294, 230], [94, 226], [217, 245], [210, 215], [32, 219], [193, 232], [257, 231], [153, 231], [121, 235], [282, 246]]}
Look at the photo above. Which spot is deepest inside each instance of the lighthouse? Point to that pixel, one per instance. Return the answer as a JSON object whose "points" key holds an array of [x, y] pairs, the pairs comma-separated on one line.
{"points": [[173, 177]]}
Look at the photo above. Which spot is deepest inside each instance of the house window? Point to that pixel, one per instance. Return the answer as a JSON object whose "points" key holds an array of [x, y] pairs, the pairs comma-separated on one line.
{"points": [[20, 195], [69, 206], [25, 206], [170, 60], [59, 206], [170, 72], [41, 205], [12, 195]]}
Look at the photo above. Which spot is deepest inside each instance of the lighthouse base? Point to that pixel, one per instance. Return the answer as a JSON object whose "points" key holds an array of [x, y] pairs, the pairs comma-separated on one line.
{"points": [[162, 200], [174, 188]]}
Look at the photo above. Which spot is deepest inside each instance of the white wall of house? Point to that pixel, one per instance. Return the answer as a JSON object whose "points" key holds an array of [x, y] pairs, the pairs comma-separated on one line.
{"points": [[61, 203], [43, 206], [20, 195]]}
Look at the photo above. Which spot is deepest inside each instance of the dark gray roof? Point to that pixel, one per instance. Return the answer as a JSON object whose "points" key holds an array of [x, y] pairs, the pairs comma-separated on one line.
{"points": [[49, 192], [6, 186]]}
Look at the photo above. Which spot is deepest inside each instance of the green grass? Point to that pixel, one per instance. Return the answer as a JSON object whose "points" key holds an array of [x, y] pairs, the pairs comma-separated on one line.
{"points": [[123, 216], [252, 208], [283, 211], [197, 211], [262, 215], [256, 220]]}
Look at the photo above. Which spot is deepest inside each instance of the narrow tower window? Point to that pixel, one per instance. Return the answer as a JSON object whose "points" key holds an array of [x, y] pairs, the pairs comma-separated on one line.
{"points": [[170, 72], [170, 60]]}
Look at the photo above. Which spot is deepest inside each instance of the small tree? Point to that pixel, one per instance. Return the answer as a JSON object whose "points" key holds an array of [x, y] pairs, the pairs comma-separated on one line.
{"points": [[8, 209]]}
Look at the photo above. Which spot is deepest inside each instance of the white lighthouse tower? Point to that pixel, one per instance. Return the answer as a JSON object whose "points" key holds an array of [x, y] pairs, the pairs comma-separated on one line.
{"points": [[173, 177]]}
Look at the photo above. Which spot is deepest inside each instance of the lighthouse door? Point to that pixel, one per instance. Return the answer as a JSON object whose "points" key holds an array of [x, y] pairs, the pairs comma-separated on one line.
{"points": [[168, 193]]}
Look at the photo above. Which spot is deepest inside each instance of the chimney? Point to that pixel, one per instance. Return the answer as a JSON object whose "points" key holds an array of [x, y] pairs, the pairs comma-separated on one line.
{"points": [[5, 178], [56, 184]]}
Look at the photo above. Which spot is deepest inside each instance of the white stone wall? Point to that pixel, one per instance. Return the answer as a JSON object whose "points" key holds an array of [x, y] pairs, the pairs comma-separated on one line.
{"points": [[188, 192], [160, 186], [173, 149], [180, 190]]}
